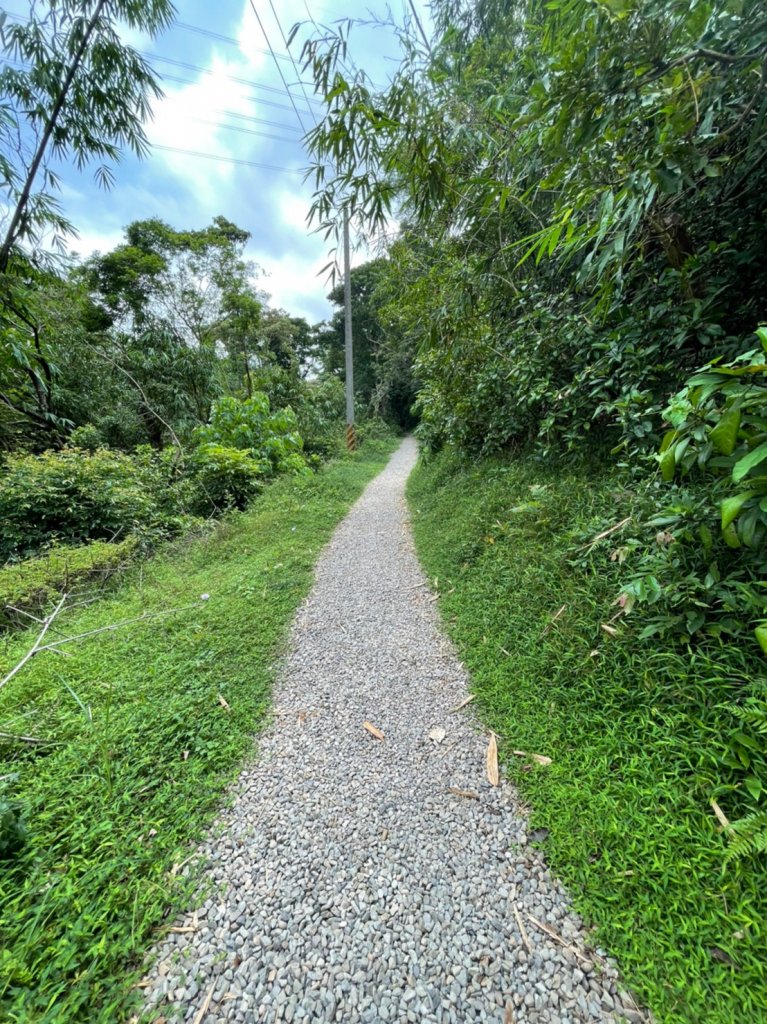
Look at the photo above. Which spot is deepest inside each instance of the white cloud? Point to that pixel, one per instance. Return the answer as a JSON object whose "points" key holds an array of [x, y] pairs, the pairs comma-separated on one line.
{"points": [[294, 283]]}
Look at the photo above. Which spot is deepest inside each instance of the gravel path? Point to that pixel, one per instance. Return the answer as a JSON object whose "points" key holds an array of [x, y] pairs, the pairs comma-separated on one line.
{"points": [[359, 879]]}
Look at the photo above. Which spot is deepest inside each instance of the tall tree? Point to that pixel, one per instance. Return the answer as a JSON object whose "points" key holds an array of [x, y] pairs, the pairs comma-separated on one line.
{"points": [[70, 88]]}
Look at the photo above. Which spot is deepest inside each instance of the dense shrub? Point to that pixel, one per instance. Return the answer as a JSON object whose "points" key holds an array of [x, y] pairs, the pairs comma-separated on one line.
{"points": [[74, 495], [321, 417], [244, 444]]}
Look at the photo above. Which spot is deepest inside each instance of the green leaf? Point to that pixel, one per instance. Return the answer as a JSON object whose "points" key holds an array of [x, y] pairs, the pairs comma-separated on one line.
{"points": [[724, 436], [761, 636], [731, 507], [731, 538], [754, 786], [667, 463], [748, 462]]}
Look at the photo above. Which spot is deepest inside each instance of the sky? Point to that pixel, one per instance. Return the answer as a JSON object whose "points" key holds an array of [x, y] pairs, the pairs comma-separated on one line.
{"points": [[225, 98]]}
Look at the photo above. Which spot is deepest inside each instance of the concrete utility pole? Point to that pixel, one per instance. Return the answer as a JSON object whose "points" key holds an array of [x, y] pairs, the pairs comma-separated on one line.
{"points": [[350, 438]]}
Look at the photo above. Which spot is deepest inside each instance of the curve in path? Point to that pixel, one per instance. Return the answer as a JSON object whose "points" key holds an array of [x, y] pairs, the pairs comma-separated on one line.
{"points": [[371, 880]]}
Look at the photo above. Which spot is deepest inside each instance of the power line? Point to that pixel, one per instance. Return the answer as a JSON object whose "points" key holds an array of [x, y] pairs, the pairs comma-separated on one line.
{"points": [[228, 113], [276, 64], [226, 159], [243, 131], [255, 120], [264, 103], [231, 78], [222, 38], [295, 66]]}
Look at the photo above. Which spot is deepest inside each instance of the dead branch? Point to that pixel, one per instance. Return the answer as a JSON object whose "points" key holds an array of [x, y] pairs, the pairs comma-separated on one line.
{"points": [[115, 625], [37, 646]]}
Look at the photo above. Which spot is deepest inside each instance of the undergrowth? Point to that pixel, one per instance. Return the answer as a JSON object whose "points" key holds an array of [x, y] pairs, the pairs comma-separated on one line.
{"points": [[140, 730], [636, 728]]}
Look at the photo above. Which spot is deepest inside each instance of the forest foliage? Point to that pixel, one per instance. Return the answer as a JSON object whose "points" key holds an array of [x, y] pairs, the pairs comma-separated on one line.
{"points": [[579, 275]]}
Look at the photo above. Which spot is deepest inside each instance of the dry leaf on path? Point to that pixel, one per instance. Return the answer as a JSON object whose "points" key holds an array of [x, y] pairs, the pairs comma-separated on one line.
{"points": [[538, 758], [437, 734], [492, 761], [204, 1008], [223, 703], [463, 703], [372, 730]]}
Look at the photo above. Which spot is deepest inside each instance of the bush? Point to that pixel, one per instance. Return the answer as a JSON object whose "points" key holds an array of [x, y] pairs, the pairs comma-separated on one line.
{"points": [[225, 477], [321, 417], [243, 444], [87, 437], [74, 495], [34, 585]]}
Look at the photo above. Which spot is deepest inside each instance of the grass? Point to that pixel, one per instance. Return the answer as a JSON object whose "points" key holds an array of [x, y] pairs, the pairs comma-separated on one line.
{"points": [[139, 744], [634, 730]]}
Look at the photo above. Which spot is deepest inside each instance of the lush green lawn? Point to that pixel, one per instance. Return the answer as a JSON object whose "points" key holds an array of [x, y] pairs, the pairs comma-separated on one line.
{"points": [[149, 723], [634, 730]]}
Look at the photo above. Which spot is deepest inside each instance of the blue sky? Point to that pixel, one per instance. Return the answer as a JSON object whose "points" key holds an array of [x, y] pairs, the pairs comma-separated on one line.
{"points": [[225, 97]]}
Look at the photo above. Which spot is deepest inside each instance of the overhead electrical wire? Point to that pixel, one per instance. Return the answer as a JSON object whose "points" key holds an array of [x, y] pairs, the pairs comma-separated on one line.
{"points": [[243, 131], [277, 64], [292, 61], [227, 159], [231, 78], [264, 103]]}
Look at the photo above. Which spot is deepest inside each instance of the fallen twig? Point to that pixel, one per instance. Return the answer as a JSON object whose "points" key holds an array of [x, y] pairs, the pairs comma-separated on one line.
{"points": [[724, 821], [558, 938], [14, 738], [115, 625], [463, 703], [518, 919], [37, 645], [605, 533], [467, 793], [551, 623]]}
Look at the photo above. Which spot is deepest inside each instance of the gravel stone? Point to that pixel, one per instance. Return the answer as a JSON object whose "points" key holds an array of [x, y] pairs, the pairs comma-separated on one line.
{"points": [[347, 878]]}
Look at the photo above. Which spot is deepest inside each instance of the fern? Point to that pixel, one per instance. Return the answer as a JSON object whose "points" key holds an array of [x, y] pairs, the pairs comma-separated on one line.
{"points": [[748, 836], [754, 714]]}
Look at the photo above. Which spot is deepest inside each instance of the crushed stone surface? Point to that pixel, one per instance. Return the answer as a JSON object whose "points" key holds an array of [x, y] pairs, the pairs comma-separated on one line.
{"points": [[357, 879]]}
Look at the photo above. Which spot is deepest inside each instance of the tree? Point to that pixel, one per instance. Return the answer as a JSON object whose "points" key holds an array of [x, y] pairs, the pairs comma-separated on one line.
{"points": [[76, 91], [179, 302]]}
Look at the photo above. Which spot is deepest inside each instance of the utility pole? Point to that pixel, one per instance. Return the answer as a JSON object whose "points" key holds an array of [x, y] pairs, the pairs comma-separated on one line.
{"points": [[350, 437]]}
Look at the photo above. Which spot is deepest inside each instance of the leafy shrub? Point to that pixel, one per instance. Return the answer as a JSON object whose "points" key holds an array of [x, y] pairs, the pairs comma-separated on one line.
{"points": [[243, 444], [87, 437], [705, 573], [35, 584], [250, 426], [74, 495], [226, 477]]}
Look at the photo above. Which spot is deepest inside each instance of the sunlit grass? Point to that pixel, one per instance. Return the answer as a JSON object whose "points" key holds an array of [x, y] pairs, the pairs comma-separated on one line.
{"points": [[142, 744], [633, 730]]}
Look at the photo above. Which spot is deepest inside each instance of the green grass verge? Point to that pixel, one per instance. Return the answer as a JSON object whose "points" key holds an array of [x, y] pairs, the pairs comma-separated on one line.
{"points": [[144, 746], [634, 730]]}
